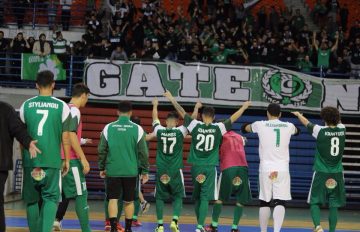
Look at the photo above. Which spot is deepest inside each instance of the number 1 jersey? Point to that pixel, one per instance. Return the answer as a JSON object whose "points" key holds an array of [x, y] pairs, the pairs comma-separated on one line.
{"points": [[46, 118]]}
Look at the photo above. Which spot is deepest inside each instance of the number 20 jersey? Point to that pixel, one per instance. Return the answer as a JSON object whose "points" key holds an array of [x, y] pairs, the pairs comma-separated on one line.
{"points": [[274, 139], [330, 144], [46, 118]]}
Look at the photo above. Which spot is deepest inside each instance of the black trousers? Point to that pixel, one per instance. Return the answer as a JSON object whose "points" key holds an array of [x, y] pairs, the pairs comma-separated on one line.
{"points": [[3, 177], [63, 205]]}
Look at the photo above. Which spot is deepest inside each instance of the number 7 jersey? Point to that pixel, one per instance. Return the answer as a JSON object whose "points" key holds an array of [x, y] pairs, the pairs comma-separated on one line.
{"points": [[46, 118], [330, 144]]}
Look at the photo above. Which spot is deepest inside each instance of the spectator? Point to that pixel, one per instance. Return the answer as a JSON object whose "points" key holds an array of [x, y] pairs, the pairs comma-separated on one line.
{"points": [[298, 21], [344, 14], [18, 45], [105, 49], [60, 47], [355, 30], [119, 54], [305, 65], [261, 17], [274, 19], [255, 52], [240, 13], [290, 54], [341, 66], [4, 44], [31, 41], [272, 51], [19, 8], [42, 47], [94, 24], [65, 13], [355, 59], [52, 12], [324, 51]]}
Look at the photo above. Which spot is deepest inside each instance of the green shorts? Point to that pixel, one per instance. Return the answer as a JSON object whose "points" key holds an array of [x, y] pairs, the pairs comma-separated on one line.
{"points": [[74, 183], [327, 188], [235, 181], [204, 180], [41, 183], [169, 185]]}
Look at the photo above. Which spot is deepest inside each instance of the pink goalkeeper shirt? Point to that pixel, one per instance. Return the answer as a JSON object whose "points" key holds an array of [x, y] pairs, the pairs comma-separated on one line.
{"points": [[75, 124], [232, 151]]}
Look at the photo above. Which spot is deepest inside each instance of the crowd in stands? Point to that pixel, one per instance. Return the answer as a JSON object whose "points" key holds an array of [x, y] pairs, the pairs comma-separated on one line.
{"points": [[221, 33]]}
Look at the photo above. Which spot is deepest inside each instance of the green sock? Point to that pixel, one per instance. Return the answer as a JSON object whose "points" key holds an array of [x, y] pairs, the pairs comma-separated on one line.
{"points": [[238, 212], [159, 209], [203, 210], [216, 214], [315, 214], [32, 212], [82, 212], [120, 208], [137, 207], [177, 207], [333, 215], [197, 207], [106, 208], [47, 215]]}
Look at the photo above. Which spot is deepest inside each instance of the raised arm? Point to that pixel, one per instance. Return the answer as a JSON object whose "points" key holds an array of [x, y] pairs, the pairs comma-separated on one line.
{"points": [[195, 113], [335, 47], [155, 104], [240, 111], [314, 41], [301, 118], [176, 105]]}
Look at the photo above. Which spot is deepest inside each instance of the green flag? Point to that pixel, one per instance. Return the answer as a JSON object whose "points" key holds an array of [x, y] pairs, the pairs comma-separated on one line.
{"points": [[32, 64]]}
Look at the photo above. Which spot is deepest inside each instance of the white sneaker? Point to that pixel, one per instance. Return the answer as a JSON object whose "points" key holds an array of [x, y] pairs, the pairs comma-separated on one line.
{"points": [[57, 226], [318, 229]]}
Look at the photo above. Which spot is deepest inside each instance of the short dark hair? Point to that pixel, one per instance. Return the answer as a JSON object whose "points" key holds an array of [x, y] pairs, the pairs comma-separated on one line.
{"points": [[209, 111], [173, 115], [44, 78], [125, 106], [79, 89], [330, 115], [135, 119], [274, 109], [1, 32]]}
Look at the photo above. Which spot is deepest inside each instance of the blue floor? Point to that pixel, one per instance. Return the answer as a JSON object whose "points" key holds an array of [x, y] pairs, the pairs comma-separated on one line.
{"points": [[149, 227]]}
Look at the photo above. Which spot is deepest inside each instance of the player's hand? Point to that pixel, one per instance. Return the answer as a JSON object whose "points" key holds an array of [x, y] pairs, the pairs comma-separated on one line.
{"points": [[65, 167], [155, 102], [102, 174], [246, 104], [167, 94], [144, 178], [198, 105], [296, 113], [86, 166], [33, 149], [89, 141]]}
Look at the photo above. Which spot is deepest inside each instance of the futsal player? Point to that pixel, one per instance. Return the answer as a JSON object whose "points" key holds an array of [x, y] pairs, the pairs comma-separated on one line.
{"points": [[327, 187], [274, 176], [74, 183], [204, 154], [47, 119], [169, 164], [122, 151], [233, 179]]}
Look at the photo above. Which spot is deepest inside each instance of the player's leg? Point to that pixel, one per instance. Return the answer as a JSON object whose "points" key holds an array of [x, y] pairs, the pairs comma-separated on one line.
{"points": [[128, 186], [337, 197], [315, 215], [161, 194], [333, 216], [31, 197], [113, 191], [135, 221], [82, 212], [144, 205], [281, 194], [60, 213], [177, 190], [265, 196], [278, 214], [316, 198]]}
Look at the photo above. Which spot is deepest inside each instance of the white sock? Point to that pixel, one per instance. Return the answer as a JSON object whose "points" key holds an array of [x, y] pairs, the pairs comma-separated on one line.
{"points": [[264, 215], [278, 215]]}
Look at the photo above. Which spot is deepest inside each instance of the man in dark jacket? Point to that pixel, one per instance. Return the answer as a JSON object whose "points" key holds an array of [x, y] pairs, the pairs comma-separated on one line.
{"points": [[10, 127]]}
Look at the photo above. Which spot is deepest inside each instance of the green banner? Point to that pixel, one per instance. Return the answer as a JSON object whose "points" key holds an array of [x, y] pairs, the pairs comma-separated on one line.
{"points": [[221, 85], [32, 64]]}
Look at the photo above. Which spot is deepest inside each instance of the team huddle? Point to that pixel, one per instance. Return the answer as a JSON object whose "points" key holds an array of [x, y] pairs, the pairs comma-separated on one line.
{"points": [[58, 172]]}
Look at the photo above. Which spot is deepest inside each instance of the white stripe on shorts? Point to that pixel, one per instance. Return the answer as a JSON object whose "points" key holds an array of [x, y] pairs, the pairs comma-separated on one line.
{"points": [[216, 193], [219, 184], [76, 175], [312, 181], [182, 180]]}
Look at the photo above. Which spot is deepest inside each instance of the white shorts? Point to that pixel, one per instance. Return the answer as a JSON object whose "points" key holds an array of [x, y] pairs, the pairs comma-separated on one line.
{"points": [[278, 188]]}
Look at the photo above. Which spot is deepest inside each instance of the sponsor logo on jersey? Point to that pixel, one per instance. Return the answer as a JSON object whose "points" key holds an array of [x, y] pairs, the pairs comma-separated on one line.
{"points": [[38, 174], [331, 183], [237, 181], [165, 179], [286, 89], [201, 178]]}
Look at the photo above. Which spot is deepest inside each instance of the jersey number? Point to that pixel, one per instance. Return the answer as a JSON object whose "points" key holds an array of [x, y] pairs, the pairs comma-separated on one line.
{"points": [[334, 150], [171, 147], [208, 140], [277, 131], [45, 114]]}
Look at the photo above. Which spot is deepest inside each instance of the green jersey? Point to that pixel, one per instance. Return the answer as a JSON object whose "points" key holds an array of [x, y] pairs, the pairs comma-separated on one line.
{"points": [[169, 154], [330, 144], [46, 119], [324, 58], [205, 142], [122, 149]]}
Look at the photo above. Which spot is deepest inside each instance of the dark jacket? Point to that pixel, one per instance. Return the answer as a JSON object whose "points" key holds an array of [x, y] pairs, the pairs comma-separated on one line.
{"points": [[10, 127]]}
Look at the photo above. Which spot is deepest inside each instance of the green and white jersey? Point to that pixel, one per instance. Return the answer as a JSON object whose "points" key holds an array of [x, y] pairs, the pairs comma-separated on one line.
{"points": [[169, 154], [46, 119], [330, 144], [205, 141]]}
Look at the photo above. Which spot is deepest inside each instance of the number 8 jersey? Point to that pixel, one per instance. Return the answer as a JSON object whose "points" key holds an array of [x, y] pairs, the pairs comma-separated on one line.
{"points": [[46, 118], [330, 144], [205, 141]]}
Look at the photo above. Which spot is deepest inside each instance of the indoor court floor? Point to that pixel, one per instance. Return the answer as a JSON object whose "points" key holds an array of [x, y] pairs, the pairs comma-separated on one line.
{"points": [[297, 220]]}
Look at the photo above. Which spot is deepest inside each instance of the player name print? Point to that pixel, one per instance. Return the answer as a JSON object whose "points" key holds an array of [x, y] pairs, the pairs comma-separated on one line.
{"points": [[219, 85]]}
